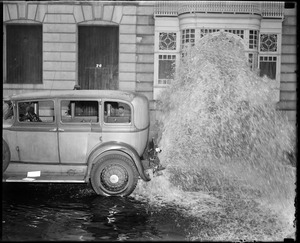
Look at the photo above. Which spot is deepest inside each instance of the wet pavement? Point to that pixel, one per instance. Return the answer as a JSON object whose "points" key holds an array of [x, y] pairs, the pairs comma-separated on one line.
{"points": [[73, 212]]}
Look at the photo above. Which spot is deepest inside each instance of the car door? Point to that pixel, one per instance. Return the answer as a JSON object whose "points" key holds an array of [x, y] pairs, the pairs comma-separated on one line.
{"points": [[36, 132], [79, 129]]}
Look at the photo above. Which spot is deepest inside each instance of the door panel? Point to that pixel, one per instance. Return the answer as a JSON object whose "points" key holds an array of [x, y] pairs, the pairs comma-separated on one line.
{"points": [[98, 57], [37, 146], [36, 132], [73, 145], [78, 120]]}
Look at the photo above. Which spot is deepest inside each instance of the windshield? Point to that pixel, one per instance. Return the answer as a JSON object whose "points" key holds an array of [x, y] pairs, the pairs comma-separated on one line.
{"points": [[8, 111]]}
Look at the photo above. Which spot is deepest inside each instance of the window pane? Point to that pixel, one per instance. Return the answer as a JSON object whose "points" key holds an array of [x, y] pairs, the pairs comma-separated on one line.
{"points": [[46, 111], [267, 66], [36, 111], [79, 111], [24, 54], [253, 60], [203, 32], [116, 112], [253, 39], [166, 69], [188, 36], [238, 32]]}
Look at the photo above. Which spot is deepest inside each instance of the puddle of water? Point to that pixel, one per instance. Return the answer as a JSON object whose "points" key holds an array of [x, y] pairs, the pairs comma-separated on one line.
{"points": [[33, 212]]}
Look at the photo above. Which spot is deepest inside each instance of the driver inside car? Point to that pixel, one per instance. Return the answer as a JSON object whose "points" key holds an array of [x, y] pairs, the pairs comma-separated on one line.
{"points": [[30, 115]]}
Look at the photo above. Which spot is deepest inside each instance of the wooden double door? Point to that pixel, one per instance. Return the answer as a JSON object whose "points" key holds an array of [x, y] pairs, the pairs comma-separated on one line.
{"points": [[98, 57]]}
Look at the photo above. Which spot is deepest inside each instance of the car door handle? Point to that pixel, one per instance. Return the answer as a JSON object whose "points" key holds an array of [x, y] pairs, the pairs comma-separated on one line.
{"points": [[61, 130], [53, 130]]}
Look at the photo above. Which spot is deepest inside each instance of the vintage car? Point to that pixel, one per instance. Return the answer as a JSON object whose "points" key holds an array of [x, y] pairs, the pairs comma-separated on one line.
{"points": [[79, 136]]}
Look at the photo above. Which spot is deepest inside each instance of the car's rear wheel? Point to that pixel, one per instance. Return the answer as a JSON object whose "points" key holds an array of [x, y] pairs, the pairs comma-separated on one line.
{"points": [[5, 156], [114, 175]]}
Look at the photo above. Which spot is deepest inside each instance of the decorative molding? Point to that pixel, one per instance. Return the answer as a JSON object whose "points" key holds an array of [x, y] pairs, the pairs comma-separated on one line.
{"points": [[167, 41], [264, 9], [268, 42]]}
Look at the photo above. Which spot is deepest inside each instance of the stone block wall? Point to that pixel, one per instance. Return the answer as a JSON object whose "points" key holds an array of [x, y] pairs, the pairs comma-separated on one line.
{"points": [[60, 21], [288, 83], [145, 57]]}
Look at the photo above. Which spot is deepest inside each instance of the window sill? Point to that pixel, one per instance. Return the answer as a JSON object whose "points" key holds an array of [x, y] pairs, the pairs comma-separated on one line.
{"points": [[23, 86]]}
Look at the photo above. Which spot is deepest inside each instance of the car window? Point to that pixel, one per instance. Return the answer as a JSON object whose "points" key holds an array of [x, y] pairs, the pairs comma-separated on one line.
{"points": [[36, 111], [79, 111], [116, 112]]}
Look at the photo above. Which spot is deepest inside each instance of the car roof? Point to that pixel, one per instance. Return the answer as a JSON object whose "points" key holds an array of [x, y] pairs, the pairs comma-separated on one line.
{"points": [[115, 94]]}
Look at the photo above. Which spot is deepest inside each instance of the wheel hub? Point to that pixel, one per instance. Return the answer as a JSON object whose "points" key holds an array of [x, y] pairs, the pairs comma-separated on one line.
{"points": [[114, 178]]}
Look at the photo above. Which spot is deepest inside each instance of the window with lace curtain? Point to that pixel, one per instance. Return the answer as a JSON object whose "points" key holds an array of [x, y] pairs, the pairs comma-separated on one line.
{"points": [[267, 66], [166, 68]]}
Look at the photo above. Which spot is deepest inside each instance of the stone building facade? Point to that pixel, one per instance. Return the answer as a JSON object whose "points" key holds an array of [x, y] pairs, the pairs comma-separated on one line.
{"points": [[129, 45], [288, 77]]}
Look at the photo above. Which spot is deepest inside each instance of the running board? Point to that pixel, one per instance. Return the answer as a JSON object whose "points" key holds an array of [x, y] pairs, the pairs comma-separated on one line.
{"points": [[22, 172], [43, 179]]}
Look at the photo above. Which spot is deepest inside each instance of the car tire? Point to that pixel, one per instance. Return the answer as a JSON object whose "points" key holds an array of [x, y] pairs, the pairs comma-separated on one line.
{"points": [[114, 175], [5, 156]]}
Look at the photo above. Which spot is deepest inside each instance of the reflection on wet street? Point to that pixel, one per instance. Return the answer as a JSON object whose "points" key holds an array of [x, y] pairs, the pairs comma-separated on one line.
{"points": [[37, 212]]}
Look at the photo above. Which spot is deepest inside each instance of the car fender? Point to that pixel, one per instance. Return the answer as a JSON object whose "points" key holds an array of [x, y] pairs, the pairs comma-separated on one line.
{"points": [[6, 155], [115, 147]]}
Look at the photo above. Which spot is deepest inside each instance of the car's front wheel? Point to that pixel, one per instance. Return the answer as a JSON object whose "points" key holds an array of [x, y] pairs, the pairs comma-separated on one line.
{"points": [[114, 175]]}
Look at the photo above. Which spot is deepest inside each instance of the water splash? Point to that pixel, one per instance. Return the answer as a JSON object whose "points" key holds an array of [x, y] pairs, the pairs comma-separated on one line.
{"points": [[223, 143]]}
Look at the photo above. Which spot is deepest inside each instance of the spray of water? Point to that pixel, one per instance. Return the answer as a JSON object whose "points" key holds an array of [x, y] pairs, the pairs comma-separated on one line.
{"points": [[225, 146]]}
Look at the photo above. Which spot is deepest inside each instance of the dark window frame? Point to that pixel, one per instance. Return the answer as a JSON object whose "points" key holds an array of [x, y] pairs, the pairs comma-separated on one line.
{"points": [[24, 53]]}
